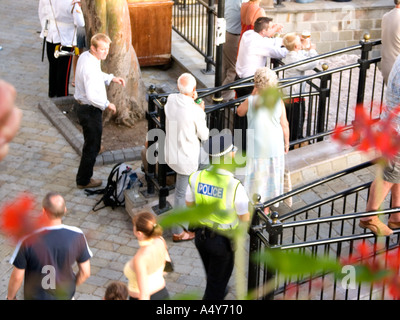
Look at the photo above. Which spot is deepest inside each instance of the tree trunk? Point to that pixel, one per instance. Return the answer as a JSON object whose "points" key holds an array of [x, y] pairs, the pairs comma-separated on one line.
{"points": [[112, 18]]}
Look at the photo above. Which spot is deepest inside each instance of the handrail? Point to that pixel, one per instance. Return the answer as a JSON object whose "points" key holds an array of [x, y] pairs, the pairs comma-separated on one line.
{"points": [[318, 182]]}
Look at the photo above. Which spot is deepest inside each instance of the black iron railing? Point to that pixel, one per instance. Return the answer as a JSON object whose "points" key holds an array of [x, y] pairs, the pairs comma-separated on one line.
{"points": [[324, 112], [195, 21], [327, 227]]}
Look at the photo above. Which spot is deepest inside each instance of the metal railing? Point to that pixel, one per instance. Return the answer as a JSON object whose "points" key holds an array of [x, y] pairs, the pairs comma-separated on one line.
{"points": [[327, 227], [195, 21], [330, 101]]}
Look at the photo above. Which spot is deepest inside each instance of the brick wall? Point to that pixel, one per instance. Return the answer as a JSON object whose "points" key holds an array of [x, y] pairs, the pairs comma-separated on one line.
{"points": [[333, 25]]}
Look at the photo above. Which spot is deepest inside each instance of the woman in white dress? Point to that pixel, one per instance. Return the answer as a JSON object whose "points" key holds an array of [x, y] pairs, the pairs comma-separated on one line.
{"points": [[267, 137]]}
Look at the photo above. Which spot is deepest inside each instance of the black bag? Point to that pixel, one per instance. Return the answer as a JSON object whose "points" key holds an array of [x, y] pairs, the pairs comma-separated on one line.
{"points": [[169, 265], [120, 179]]}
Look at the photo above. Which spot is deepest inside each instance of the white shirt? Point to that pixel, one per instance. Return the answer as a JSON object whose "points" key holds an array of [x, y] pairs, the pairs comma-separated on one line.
{"points": [[185, 125], [90, 81], [299, 71], [62, 20], [241, 201], [254, 50]]}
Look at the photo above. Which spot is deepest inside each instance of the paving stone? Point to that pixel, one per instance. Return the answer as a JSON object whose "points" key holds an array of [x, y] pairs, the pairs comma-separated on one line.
{"points": [[42, 159]]}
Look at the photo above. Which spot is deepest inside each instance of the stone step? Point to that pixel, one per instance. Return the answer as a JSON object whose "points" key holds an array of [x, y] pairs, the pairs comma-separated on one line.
{"points": [[321, 159]]}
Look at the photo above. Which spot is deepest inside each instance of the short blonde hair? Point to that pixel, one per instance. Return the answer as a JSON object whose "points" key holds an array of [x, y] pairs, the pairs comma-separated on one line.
{"points": [[289, 41], [94, 41], [265, 78]]}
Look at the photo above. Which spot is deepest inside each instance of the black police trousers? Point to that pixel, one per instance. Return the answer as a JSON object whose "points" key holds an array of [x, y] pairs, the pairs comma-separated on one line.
{"points": [[218, 259]]}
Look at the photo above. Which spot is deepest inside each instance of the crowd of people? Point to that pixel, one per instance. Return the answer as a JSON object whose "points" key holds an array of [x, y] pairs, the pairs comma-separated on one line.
{"points": [[43, 261]]}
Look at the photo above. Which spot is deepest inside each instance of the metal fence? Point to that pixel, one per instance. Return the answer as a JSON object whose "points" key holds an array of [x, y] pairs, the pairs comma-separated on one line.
{"points": [[331, 98], [327, 227], [195, 21]]}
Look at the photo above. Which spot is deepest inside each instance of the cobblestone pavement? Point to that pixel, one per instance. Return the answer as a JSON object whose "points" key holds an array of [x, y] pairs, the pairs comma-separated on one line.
{"points": [[41, 160]]}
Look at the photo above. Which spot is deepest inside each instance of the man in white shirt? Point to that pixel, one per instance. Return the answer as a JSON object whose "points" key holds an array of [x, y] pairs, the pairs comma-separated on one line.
{"points": [[63, 17], [256, 46], [185, 127], [91, 101]]}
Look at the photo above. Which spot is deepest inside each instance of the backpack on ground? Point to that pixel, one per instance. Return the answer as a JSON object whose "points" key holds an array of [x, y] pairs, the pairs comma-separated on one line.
{"points": [[120, 179]]}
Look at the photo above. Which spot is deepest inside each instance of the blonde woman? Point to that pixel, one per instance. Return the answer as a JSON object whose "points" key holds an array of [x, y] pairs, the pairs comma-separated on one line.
{"points": [[295, 107], [145, 271], [267, 139]]}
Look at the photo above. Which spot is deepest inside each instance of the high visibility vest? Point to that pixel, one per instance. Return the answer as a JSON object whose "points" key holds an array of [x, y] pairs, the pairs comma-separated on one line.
{"points": [[219, 191]]}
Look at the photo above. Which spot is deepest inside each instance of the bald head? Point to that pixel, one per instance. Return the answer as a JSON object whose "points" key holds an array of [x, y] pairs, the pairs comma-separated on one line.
{"points": [[54, 204], [186, 83]]}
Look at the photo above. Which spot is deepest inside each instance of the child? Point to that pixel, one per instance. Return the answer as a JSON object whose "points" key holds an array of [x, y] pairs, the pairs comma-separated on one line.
{"points": [[299, 49], [116, 290]]}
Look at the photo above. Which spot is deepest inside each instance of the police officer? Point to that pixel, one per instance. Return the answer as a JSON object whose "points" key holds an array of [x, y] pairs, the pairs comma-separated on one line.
{"points": [[216, 186]]}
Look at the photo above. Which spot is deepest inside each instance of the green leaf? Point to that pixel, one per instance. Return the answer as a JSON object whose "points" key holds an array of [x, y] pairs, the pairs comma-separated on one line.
{"points": [[365, 274], [191, 214], [291, 263], [268, 98]]}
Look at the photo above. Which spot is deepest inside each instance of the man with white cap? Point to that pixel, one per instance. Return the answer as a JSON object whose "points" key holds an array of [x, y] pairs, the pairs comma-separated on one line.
{"points": [[217, 187]]}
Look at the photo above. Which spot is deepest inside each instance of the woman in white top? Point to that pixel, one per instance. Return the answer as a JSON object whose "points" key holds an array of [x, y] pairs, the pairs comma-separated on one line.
{"points": [[267, 138]]}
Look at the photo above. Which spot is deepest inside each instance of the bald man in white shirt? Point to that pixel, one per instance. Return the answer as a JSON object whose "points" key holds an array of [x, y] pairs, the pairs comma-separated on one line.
{"points": [[185, 126], [91, 100]]}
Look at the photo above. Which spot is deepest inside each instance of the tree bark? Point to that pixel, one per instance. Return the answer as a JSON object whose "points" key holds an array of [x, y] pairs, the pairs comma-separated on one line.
{"points": [[112, 18]]}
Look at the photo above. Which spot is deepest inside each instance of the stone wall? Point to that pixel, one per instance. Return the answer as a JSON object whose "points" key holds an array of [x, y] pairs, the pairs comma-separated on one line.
{"points": [[333, 25]]}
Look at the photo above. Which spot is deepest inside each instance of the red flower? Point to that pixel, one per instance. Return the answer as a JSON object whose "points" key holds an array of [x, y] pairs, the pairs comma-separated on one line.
{"points": [[18, 218], [364, 250], [369, 134], [394, 287], [393, 260]]}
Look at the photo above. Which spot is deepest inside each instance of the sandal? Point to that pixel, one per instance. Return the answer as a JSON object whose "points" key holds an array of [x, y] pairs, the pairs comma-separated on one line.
{"points": [[394, 225], [376, 226], [184, 236]]}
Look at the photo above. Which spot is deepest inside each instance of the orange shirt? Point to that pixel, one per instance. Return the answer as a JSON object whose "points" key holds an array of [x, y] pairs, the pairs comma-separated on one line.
{"points": [[249, 13]]}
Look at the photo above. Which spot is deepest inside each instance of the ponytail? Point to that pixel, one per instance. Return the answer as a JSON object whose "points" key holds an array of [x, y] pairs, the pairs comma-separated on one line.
{"points": [[146, 223]]}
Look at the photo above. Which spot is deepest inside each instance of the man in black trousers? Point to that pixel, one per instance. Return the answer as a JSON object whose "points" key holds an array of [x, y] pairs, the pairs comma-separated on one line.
{"points": [[224, 195], [90, 102]]}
